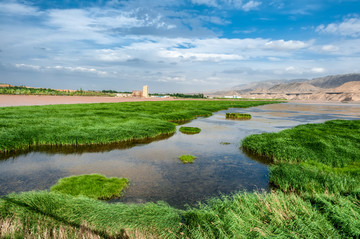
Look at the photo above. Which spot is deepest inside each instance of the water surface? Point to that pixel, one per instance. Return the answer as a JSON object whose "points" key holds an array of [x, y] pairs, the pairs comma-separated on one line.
{"points": [[153, 168]]}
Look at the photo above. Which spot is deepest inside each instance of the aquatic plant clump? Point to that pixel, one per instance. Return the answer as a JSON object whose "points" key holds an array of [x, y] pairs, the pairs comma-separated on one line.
{"points": [[187, 158], [190, 130], [93, 186], [238, 116]]}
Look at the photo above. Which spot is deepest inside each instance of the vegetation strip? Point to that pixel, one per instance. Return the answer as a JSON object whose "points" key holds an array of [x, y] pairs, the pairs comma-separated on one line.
{"points": [[22, 128], [238, 116], [189, 130], [93, 186]]}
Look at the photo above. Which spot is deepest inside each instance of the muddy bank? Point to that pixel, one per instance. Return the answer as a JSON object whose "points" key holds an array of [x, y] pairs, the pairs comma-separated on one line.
{"points": [[23, 100]]}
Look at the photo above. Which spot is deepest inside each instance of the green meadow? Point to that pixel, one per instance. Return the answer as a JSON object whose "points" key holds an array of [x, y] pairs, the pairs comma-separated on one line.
{"points": [[22, 128], [314, 173]]}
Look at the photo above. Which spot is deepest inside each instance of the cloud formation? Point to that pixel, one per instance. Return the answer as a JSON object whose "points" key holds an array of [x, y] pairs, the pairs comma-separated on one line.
{"points": [[349, 27], [184, 45]]}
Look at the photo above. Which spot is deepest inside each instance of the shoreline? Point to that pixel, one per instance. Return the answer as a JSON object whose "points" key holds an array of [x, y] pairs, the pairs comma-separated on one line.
{"points": [[29, 100]]}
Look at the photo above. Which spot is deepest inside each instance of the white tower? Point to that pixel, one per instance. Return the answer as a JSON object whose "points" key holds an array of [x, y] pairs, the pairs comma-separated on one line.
{"points": [[145, 92]]}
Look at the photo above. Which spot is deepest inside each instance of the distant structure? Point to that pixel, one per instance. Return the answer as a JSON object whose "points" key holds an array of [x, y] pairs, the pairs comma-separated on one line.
{"points": [[6, 85], [136, 93], [145, 92]]}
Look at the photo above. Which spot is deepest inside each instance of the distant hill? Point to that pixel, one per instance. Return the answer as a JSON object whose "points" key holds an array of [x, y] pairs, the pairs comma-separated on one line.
{"points": [[294, 87], [336, 88], [352, 86], [328, 82], [262, 85]]}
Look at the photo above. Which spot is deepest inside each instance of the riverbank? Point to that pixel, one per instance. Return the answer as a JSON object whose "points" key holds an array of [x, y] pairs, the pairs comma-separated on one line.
{"points": [[27, 100]]}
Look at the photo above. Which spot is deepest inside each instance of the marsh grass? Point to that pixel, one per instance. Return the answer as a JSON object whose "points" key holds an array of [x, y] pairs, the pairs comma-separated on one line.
{"points": [[93, 186], [242, 215], [22, 128], [43, 211], [186, 158], [238, 116], [334, 143], [189, 130]]}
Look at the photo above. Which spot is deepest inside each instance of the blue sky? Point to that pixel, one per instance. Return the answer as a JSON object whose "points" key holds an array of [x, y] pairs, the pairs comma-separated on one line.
{"points": [[175, 45]]}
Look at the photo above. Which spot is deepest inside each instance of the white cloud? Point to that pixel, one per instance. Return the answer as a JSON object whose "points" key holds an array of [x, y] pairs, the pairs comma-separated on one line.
{"points": [[330, 48], [18, 9], [28, 67], [61, 68], [200, 56], [349, 27], [211, 3], [286, 45], [318, 70], [251, 5]]}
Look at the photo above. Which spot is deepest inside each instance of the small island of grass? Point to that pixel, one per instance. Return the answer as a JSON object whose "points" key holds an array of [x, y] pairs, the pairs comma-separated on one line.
{"points": [[93, 186], [187, 158], [238, 116], [190, 130]]}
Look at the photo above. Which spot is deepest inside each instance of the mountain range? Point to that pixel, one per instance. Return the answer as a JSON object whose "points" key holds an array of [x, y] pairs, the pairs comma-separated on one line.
{"points": [[329, 88]]}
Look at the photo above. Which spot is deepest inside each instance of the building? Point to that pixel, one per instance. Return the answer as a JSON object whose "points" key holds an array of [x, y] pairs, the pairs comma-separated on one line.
{"points": [[145, 92]]}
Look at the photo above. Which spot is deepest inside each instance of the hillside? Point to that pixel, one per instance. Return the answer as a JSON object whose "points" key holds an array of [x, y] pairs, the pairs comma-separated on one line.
{"points": [[335, 88], [294, 87], [328, 82], [352, 86]]}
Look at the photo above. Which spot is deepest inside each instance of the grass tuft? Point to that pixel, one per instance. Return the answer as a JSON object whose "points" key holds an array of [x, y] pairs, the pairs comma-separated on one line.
{"points": [[238, 116], [186, 158], [93, 186], [189, 130]]}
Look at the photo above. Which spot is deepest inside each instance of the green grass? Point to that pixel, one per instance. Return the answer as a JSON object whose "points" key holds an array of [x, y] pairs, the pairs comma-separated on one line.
{"points": [[186, 158], [242, 215], [23, 128], [189, 130], [238, 116], [315, 172], [93, 186], [334, 143], [313, 157]]}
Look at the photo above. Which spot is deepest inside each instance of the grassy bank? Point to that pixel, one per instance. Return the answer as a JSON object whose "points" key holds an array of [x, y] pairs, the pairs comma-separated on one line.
{"points": [[242, 215], [85, 124], [313, 157]]}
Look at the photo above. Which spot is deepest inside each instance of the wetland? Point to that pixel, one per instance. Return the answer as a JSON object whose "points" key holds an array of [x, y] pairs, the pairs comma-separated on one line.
{"points": [[153, 168]]}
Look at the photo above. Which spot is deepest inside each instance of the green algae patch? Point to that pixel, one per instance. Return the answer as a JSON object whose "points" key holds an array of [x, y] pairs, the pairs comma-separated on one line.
{"points": [[225, 143], [238, 116], [190, 130], [186, 158], [94, 186]]}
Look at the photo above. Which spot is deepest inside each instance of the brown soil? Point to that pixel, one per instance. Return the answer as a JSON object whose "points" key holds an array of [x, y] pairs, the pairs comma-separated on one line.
{"points": [[23, 100]]}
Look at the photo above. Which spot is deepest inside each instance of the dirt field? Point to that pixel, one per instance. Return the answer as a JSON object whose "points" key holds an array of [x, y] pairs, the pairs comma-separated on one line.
{"points": [[21, 100]]}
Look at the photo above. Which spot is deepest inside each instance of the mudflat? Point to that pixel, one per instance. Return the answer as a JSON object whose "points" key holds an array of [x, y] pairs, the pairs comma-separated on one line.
{"points": [[23, 100]]}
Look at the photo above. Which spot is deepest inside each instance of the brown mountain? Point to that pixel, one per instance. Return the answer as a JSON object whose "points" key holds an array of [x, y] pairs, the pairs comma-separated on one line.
{"points": [[294, 88]]}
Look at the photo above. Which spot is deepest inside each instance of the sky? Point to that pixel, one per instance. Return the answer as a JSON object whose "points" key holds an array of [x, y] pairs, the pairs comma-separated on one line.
{"points": [[175, 45]]}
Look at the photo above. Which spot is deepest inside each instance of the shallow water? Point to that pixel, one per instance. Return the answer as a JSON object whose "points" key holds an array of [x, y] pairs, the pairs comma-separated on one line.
{"points": [[153, 169]]}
